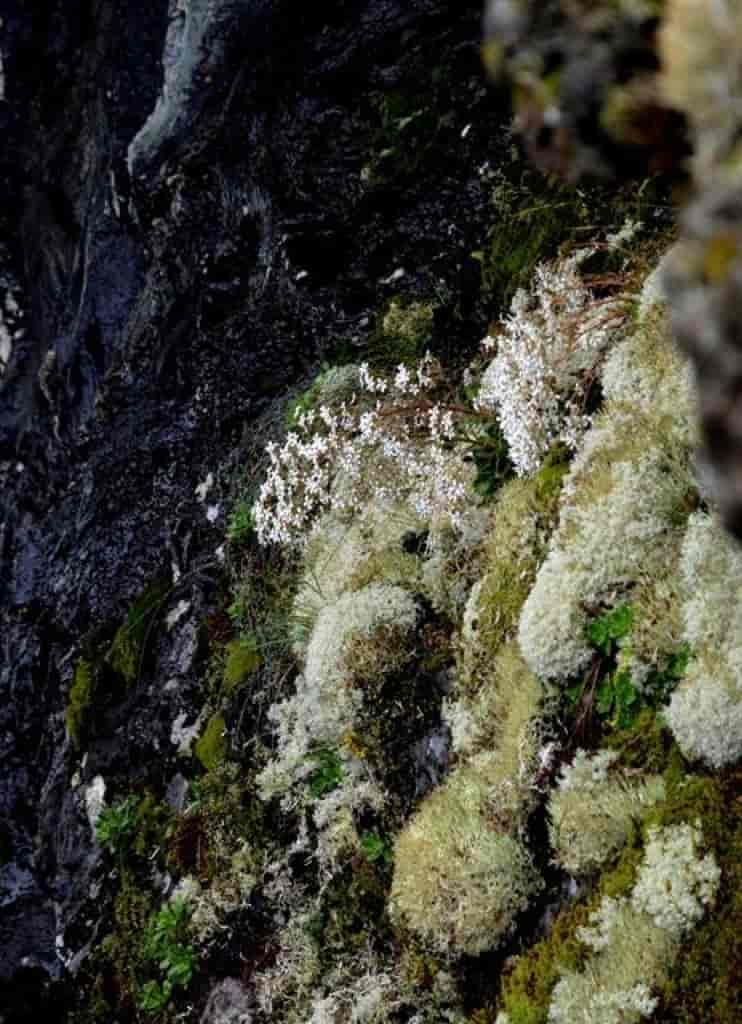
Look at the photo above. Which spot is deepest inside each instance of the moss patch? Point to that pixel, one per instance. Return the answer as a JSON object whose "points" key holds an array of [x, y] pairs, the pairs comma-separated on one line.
{"points": [[122, 949], [528, 982], [128, 649], [211, 747], [79, 701], [242, 659]]}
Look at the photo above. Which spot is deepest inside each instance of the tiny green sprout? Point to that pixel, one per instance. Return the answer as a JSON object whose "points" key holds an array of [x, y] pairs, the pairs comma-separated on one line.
{"points": [[328, 775], [117, 824], [153, 997], [376, 849], [241, 523]]}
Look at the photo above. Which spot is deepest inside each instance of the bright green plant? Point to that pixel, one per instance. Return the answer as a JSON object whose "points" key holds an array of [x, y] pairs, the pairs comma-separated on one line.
{"points": [[618, 699], [165, 946], [328, 775], [211, 746], [489, 453], [605, 632], [117, 824]]}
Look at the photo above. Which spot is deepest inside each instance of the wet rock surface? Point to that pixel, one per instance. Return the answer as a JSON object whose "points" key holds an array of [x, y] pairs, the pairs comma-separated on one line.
{"points": [[163, 310]]}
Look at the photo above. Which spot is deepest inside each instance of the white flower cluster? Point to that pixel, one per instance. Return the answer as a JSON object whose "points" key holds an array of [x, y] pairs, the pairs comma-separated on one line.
{"points": [[634, 940], [705, 713], [676, 885], [550, 342], [391, 444]]}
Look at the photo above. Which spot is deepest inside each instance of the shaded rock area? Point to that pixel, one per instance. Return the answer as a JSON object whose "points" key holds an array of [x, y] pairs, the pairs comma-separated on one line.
{"points": [[187, 223]]}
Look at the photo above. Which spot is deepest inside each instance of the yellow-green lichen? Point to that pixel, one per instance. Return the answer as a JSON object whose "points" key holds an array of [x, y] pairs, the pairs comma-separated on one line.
{"points": [[211, 747]]}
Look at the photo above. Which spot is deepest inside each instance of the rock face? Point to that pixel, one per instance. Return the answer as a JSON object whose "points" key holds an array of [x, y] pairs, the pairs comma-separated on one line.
{"points": [[194, 208]]}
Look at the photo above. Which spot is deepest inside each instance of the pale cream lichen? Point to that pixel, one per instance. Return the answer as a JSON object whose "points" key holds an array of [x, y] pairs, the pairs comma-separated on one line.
{"points": [[593, 808], [363, 635], [459, 881], [705, 711], [676, 885], [634, 940], [625, 497]]}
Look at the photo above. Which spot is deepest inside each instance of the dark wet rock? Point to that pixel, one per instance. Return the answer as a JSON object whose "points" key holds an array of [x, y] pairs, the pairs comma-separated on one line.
{"points": [[431, 757], [162, 313]]}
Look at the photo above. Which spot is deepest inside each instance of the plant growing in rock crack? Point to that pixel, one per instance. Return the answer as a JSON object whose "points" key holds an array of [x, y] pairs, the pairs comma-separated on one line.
{"points": [[328, 774], [241, 523], [175, 959], [117, 824]]}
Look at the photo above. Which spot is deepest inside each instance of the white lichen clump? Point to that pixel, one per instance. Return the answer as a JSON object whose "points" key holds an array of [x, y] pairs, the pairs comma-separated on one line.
{"points": [[362, 635], [593, 808], [635, 939], [550, 342], [623, 495], [705, 712], [675, 884]]}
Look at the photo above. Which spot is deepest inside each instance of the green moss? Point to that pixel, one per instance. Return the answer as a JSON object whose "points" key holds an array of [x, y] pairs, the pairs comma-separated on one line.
{"points": [[211, 747], [242, 659], [646, 744], [154, 825], [224, 817], [122, 950], [549, 480], [129, 646], [79, 701], [533, 218], [527, 984], [402, 333]]}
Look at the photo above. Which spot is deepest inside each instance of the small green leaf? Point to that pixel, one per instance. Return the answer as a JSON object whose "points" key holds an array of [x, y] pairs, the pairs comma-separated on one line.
{"points": [[328, 775], [605, 697], [613, 626], [376, 848]]}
